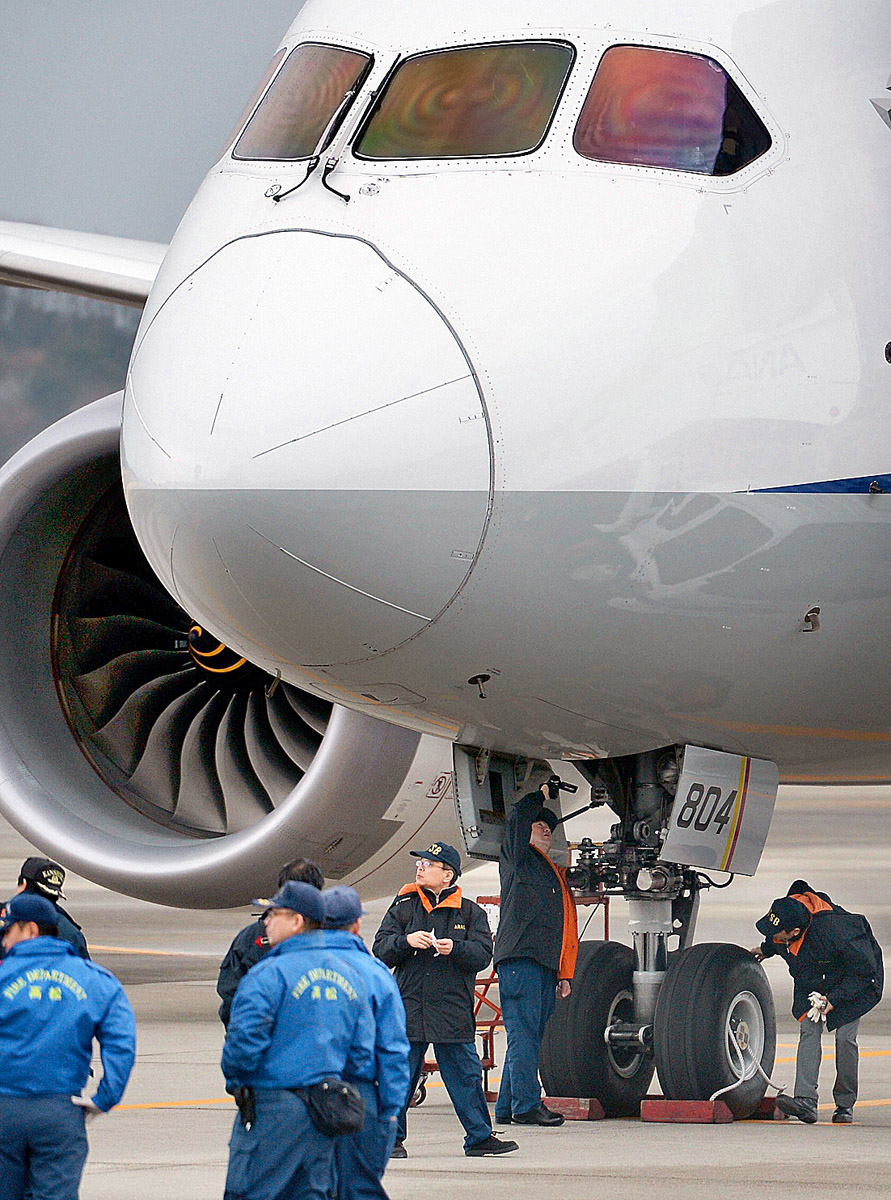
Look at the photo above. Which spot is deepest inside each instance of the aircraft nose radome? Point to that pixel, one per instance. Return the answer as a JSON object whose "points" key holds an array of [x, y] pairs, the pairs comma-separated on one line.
{"points": [[303, 427]]}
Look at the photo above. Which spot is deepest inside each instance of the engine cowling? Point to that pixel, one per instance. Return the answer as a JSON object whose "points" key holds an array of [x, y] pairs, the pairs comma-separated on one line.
{"points": [[139, 751]]}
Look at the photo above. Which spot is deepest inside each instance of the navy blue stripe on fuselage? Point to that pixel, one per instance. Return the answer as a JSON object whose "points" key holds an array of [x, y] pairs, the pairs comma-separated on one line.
{"points": [[864, 485]]}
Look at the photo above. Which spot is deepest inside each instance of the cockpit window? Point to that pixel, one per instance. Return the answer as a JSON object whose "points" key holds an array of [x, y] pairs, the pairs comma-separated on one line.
{"points": [[664, 108], [258, 92], [478, 101], [308, 97]]}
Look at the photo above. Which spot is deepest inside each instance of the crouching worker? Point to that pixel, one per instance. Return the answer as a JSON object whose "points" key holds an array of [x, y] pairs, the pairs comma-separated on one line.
{"points": [[53, 1003], [836, 966], [361, 1158], [301, 1016]]}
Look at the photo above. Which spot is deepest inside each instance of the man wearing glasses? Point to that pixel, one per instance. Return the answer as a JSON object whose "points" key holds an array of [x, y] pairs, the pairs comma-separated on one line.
{"points": [[438, 942]]}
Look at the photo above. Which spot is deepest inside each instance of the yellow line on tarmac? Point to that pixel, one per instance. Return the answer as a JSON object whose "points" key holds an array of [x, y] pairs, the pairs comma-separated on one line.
{"points": [[174, 1104], [160, 953], [831, 1054], [860, 1104]]}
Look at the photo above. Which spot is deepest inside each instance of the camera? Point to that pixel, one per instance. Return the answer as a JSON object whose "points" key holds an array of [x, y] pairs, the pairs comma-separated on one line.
{"points": [[555, 786]]}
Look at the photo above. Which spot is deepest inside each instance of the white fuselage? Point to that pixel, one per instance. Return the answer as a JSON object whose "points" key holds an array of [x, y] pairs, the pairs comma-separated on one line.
{"points": [[530, 417]]}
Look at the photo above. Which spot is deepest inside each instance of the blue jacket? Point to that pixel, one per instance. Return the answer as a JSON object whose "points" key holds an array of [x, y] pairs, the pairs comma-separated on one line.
{"points": [[390, 1043], [52, 1004], [300, 1014]]}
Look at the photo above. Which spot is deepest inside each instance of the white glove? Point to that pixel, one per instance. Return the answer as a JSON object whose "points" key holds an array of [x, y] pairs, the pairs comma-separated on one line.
{"points": [[91, 1111], [433, 948], [817, 1010]]}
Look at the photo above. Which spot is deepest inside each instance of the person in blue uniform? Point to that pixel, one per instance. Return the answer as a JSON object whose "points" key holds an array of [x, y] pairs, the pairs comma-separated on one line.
{"points": [[299, 1016], [53, 1003], [361, 1158], [250, 944]]}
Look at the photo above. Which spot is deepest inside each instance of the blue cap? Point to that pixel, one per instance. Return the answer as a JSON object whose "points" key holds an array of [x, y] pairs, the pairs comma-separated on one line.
{"points": [[441, 852], [302, 898], [342, 906], [28, 907]]}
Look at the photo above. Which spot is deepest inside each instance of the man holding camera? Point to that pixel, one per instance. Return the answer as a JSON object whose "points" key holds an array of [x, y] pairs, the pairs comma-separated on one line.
{"points": [[535, 952], [301, 1017]]}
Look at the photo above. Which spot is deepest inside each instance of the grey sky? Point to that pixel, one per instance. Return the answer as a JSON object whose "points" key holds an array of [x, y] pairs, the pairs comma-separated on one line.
{"points": [[111, 111]]}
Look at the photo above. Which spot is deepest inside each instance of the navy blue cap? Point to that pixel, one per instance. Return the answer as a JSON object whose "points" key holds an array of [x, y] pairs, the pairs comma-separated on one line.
{"points": [[785, 914], [441, 852], [342, 906], [301, 898], [26, 906]]}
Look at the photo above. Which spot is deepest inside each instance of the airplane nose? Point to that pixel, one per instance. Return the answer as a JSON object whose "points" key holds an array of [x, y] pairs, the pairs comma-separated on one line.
{"points": [[307, 455]]}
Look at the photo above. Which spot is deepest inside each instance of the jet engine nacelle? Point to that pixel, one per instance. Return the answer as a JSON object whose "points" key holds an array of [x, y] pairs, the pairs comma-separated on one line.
{"points": [[142, 753]]}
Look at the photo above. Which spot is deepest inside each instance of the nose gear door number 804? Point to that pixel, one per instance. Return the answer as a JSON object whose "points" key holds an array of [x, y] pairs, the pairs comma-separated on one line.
{"points": [[722, 811], [704, 805]]}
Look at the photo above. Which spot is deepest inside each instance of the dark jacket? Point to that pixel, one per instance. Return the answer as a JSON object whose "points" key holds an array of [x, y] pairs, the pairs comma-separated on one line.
{"points": [[837, 956], [248, 947], [69, 930], [533, 921], [437, 990]]}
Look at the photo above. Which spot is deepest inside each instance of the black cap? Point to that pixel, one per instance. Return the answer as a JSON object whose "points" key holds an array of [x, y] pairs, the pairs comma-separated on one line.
{"points": [[28, 907], [441, 852], [47, 876], [785, 914], [549, 817], [301, 898]]}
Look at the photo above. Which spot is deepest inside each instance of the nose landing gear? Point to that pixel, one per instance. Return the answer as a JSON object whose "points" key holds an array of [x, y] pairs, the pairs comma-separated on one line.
{"points": [[701, 1016]]}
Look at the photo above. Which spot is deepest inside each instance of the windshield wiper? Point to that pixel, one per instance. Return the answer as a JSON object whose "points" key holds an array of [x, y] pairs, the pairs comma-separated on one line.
{"points": [[321, 145]]}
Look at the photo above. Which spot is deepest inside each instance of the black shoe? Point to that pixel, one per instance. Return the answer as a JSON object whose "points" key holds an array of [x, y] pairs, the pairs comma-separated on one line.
{"points": [[399, 1150], [843, 1116], [502, 1120], [794, 1106], [492, 1145], [538, 1116]]}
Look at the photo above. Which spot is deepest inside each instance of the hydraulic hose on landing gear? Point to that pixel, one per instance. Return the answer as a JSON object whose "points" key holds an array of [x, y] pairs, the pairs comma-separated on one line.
{"points": [[743, 1074]]}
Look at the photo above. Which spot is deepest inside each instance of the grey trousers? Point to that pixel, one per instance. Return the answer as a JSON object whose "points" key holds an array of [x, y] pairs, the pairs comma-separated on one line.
{"points": [[810, 1054]]}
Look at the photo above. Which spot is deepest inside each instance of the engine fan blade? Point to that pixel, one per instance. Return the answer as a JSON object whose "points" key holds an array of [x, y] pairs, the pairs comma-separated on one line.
{"points": [[299, 742], [278, 774], [158, 773], [105, 590], [200, 803], [123, 738], [97, 640], [103, 691], [310, 709], [245, 797]]}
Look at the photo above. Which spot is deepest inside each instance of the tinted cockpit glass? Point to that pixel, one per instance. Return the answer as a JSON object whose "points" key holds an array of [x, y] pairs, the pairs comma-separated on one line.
{"points": [[474, 102], [664, 108], [312, 88]]}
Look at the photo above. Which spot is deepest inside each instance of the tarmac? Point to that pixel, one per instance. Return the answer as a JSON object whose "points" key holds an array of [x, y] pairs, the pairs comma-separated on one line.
{"points": [[168, 1139]]}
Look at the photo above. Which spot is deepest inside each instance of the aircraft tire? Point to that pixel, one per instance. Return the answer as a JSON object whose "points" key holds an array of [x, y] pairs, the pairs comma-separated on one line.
{"points": [[713, 993], [575, 1059]]}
